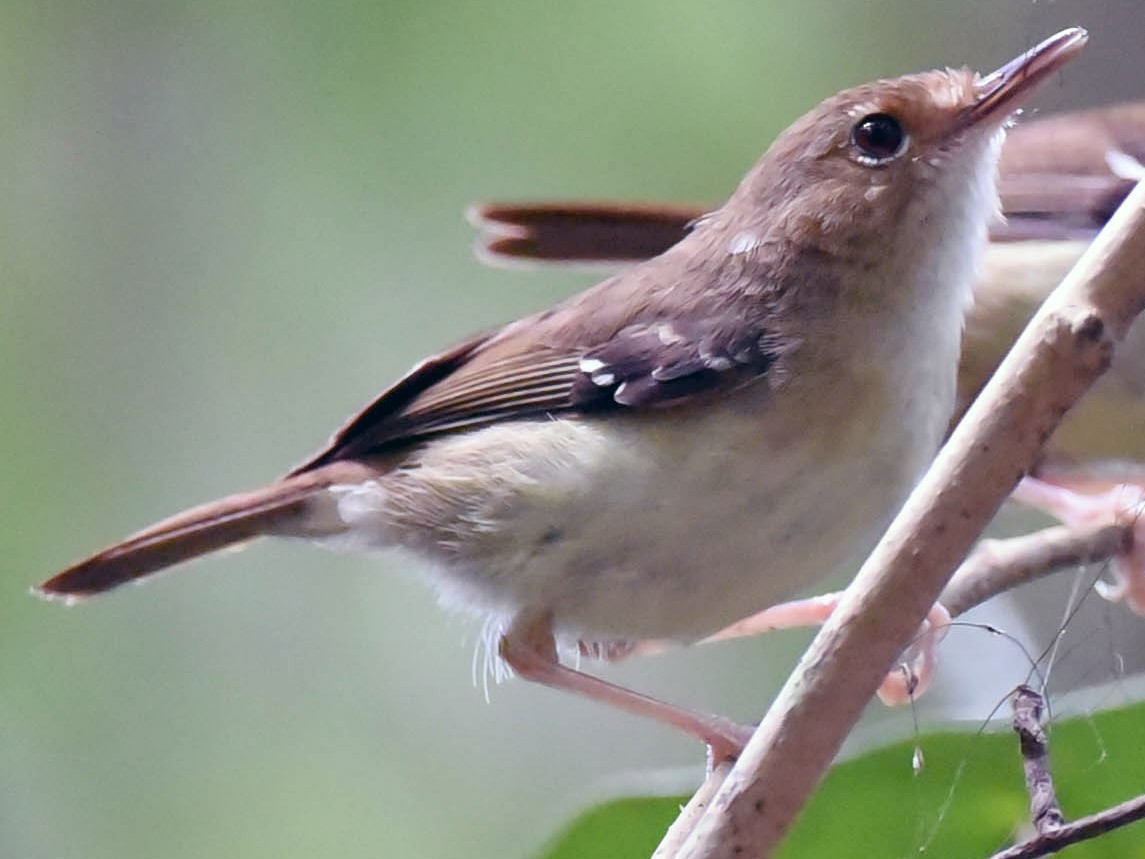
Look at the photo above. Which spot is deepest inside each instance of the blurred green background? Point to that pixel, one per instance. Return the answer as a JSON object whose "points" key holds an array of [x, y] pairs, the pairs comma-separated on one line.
{"points": [[226, 225]]}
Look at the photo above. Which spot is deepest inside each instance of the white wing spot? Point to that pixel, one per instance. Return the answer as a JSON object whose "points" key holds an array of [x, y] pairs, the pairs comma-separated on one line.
{"points": [[591, 365], [744, 243]]}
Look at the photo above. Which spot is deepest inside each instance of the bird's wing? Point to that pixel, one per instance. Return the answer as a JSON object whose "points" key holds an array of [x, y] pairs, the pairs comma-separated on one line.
{"points": [[486, 380]]}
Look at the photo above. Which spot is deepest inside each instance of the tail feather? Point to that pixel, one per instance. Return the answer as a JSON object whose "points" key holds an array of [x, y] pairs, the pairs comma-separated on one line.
{"points": [[207, 528], [579, 233]]}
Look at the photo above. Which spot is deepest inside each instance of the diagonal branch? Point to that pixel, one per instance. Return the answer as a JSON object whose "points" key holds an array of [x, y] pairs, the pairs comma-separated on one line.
{"points": [[1065, 348], [995, 566], [1083, 829]]}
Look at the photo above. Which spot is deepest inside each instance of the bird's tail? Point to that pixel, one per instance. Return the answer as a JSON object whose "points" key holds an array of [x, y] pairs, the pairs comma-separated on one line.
{"points": [[578, 233], [207, 528]]}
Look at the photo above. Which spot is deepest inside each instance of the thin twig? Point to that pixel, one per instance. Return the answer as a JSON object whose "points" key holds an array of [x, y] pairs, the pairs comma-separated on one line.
{"points": [[997, 566], [1045, 812], [1083, 829]]}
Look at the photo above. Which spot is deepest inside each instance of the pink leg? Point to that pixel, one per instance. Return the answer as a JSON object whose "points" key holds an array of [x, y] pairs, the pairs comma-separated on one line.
{"points": [[529, 649], [909, 680], [1082, 500]]}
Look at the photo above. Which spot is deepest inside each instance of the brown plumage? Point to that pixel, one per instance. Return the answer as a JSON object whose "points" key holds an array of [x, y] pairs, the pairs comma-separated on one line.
{"points": [[673, 330], [694, 439]]}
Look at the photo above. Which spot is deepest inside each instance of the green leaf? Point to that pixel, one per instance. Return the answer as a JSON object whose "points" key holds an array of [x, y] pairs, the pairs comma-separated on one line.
{"points": [[969, 799], [617, 829]]}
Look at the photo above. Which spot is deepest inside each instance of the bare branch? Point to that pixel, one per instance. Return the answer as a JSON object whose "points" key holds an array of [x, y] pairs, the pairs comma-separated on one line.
{"points": [[997, 566], [1065, 348], [1080, 830]]}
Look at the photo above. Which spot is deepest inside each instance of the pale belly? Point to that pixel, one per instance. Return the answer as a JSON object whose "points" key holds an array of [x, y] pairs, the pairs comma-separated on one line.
{"points": [[622, 531]]}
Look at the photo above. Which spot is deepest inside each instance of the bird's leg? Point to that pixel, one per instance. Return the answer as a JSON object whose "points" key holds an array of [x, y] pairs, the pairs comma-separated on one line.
{"points": [[529, 649], [906, 682], [1085, 498]]}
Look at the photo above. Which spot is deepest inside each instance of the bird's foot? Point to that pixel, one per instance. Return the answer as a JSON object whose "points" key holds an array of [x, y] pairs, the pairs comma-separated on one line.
{"points": [[909, 679]]}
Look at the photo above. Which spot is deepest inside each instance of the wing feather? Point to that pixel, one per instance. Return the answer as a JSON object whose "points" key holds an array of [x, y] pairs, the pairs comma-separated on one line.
{"points": [[640, 366]]}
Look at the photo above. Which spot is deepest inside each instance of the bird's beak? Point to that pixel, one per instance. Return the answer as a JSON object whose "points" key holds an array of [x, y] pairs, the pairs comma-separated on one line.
{"points": [[1002, 91]]}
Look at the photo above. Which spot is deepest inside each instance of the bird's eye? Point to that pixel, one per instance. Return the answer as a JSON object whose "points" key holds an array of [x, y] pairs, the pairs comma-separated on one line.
{"points": [[879, 138]]}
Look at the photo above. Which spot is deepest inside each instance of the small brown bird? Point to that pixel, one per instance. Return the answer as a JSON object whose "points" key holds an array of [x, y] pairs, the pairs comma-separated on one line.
{"points": [[694, 439]]}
